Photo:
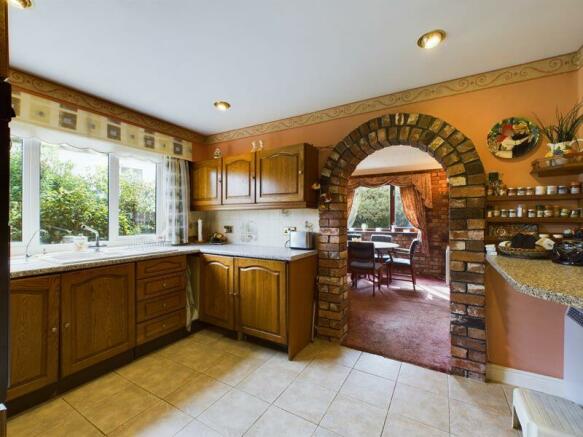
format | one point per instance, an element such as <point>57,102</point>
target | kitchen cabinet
<point>205,183</point>
<point>97,315</point>
<point>261,298</point>
<point>161,297</point>
<point>34,334</point>
<point>238,180</point>
<point>286,174</point>
<point>268,179</point>
<point>217,290</point>
<point>268,299</point>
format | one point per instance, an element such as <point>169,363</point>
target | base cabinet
<point>261,298</point>
<point>34,334</point>
<point>217,291</point>
<point>98,315</point>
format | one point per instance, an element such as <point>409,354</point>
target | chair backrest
<point>381,237</point>
<point>361,250</point>
<point>414,245</point>
<point>352,235</point>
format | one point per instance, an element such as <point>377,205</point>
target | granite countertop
<point>40,265</point>
<point>542,278</point>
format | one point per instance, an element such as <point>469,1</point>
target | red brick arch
<point>466,178</point>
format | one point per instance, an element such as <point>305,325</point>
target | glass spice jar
<point>496,212</point>
<point>562,189</point>
<point>575,188</point>
<point>521,191</point>
<point>549,211</point>
<point>490,212</point>
<point>529,191</point>
<point>512,191</point>
<point>540,211</point>
<point>502,190</point>
<point>503,213</point>
<point>556,211</point>
<point>512,213</point>
<point>531,213</point>
<point>565,212</point>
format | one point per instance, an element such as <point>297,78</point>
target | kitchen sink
<point>80,257</point>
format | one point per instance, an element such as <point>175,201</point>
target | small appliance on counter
<point>217,238</point>
<point>301,240</point>
<point>568,252</point>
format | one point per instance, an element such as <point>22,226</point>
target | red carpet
<point>401,324</point>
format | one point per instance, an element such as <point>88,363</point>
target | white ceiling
<point>275,58</point>
<point>395,159</point>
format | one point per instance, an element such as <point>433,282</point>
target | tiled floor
<point>209,385</point>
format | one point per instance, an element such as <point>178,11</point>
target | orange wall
<point>523,332</point>
<point>473,113</point>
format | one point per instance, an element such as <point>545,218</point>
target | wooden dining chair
<point>381,237</point>
<point>406,263</point>
<point>362,261</point>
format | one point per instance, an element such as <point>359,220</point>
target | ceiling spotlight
<point>21,4</point>
<point>222,105</point>
<point>431,39</point>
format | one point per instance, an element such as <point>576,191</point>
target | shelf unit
<point>535,220</point>
<point>494,199</point>
<point>572,168</point>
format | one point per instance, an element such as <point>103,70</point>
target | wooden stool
<point>542,415</point>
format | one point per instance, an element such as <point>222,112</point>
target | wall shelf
<point>493,199</point>
<point>535,220</point>
<point>571,168</point>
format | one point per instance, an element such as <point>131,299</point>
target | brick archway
<point>466,178</point>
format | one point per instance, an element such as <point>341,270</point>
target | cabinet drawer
<point>160,266</point>
<point>158,286</point>
<point>162,325</point>
<point>148,309</point>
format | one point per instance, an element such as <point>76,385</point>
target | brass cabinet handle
<point>165,305</point>
<point>67,325</point>
<point>54,329</point>
<point>163,325</point>
<point>164,284</point>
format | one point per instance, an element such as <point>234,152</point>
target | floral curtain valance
<point>44,112</point>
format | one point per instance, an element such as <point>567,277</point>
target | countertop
<point>39,265</point>
<point>542,279</point>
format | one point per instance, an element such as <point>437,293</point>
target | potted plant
<point>562,136</point>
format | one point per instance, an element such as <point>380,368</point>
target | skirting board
<point>521,378</point>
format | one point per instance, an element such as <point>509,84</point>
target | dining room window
<point>378,207</point>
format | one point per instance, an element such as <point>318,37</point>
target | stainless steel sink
<point>81,257</point>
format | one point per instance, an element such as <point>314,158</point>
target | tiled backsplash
<point>257,227</point>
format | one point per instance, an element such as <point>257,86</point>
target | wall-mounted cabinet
<point>275,178</point>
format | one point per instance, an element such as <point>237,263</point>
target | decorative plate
<point>513,137</point>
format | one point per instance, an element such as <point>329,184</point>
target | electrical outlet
<point>228,229</point>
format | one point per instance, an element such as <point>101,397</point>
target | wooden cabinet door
<point>97,315</point>
<point>280,174</point>
<point>260,287</point>
<point>34,334</point>
<point>216,291</point>
<point>238,181</point>
<point>205,183</point>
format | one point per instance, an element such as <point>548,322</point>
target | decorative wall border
<point>504,76</point>
<point>35,85</point>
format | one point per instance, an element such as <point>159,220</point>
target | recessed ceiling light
<point>221,105</point>
<point>22,4</point>
<point>431,39</point>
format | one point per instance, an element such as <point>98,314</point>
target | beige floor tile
<point>268,381</point>
<point>489,395</point>
<point>197,394</point>
<point>323,432</point>
<point>157,375</point>
<point>430,380</point>
<point>234,413</point>
<point>368,388</point>
<point>331,376</point>
<point>114,411</point>
<point>232,369</point>
<point>196,356</point>
<point>243,349</point>
<point>421,405</point>
<point>54,418</point>
<point>96,391</point>
<point>401,426</point>
<point>282,359</point>
<point>277,422</point>
<point>306,400</point>
<point>336,354</point>
<point>197,429</point>
<point>350,417</point>
<point>160,420</point>
<point>479,421</point>
<point>206,336</point>
<point>311,350</point>
<point>379,366</point>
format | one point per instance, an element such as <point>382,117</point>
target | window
<point>73,192</point>
<point>54,189</point>
<point>137,197</point>
<point>378,207</point>
<point>15,214</point>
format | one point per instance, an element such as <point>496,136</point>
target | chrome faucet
<point>98,245</point>
<point>27,254</point>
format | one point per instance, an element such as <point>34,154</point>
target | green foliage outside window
<point>15,213</point>
<point>374,208</point>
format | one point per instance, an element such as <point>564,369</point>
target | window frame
<point>31,157</point>
<point>392,212</point>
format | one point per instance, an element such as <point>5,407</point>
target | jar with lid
<point>575,188</point>
<point>502,190</point>
<point>512,191</point>
<point>521,210</point>
<point>503,212</point>
<point>540,190</point>
<point>512,213</point>
<point>490,212</point>
<point>562,189</point>
<point>529,191</point>
<point>551,189</point>
<point>549,211</point>
<point>565,212</point>
<point>576,212</point>
<point>521,191</point>
<point>531,213</point>
<point>540,211</point>
<point>496,212</point>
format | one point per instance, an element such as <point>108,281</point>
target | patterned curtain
<point>415,195</point>
<point>176,199</point>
